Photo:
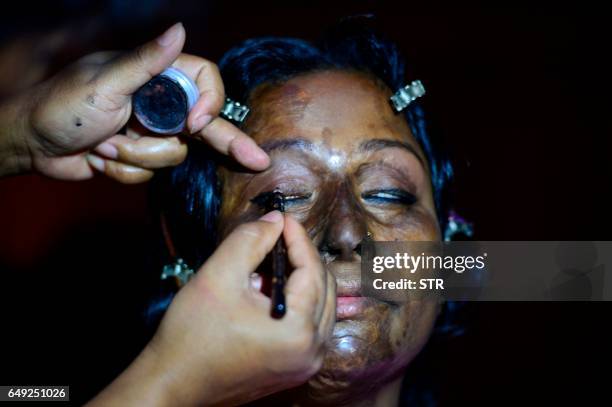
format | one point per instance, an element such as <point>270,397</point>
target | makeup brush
<point>279,262</point>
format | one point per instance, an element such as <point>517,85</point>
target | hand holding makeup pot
<point>75,123</point>
<point>217,344</point>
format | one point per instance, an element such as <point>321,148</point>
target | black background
<point>519,95</point>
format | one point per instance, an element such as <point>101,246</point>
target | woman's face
<point>348,166</point>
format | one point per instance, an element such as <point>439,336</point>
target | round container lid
<point>163,104</point>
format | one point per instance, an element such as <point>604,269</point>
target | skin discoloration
<point>268,100</point>
<point>326,136</point>
<point>335,144</point>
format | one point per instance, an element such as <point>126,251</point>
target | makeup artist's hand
<point>68,126</point>
<point>217,344</point>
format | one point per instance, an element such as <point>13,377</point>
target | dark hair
<point>188,195</point>
<point>350,45</point>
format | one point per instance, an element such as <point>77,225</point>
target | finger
<point>126,74</point>
<point>144,152</point>
<point>212,94</point>
<point>124,173</point>
<point>136,132</point>
<point>243,250</point>
<point>99,58</point>
<point>323,296</point>
<point>229,140</point>
<point>305,290</point>
<point>69,168</point>
<point>328,317</point>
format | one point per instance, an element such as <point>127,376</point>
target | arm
<point>143,383</point>
<point>217,344</point>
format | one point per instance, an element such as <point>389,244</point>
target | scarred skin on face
<point>349,166</point>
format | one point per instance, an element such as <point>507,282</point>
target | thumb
<point>128,73</point>
<point>243,250</point>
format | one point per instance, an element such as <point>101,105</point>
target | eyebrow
<point>367,146</point>
<point>287,144</point>
<point>379,144</point>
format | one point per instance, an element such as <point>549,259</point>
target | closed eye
<point>389,197</point>
<point>291,200</point>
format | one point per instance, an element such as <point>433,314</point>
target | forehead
<point>335,109</point>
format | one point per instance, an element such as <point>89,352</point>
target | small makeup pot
<point>163,104</point>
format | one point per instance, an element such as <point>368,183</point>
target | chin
<point>358,362</point>
<point>367,353</point>
<point>345,380</point>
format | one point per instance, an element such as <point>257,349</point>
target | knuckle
<point>215,98</point>
<point>139,57</point>
<point>99,98</point>
<point>215,89</point>
<point>95,58</point>
<point>211,67</point>
<point>250,231</point>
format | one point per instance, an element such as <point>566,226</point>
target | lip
<point>348,307</point>
<point>349,300</point>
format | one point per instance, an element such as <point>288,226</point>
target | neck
<point>385,396</point>
<point>388,395</point>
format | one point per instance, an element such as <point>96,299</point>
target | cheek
<point>234,209</point>
<point>415,224</point>
<point>410,326</point>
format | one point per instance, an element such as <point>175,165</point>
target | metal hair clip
<point>179,270</point>
<point>234,111</point>
<point>407,95</point>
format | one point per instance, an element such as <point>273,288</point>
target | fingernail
<point>272,217</point>
<point>171,35</point>
<point>250,154</point>
<point>261,156</point>
<point>255,280</point>
<point>200,122</point>
<point>107,150</point>
<point>95,162</point>
<point>257,159</point>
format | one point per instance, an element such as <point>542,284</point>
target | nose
<point>346,228</point>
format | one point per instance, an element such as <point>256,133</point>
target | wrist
<point>145,382</point>
<point>15,130</point>
<point>175,376</point>
<point>161,375</point>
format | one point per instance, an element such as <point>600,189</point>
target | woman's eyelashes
<point>391,196</point>
<point>291,199</point>
<point>379,197</point>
